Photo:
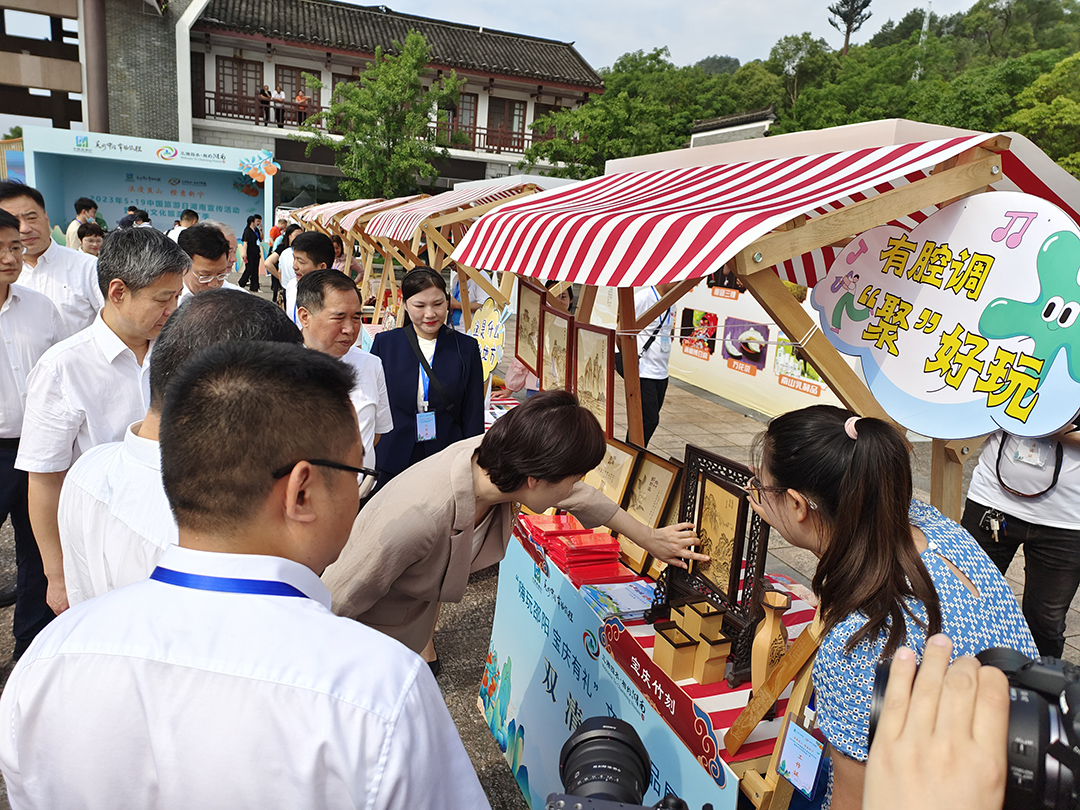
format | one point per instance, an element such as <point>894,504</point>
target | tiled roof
<point>325,24</point>
<point>738,119</point>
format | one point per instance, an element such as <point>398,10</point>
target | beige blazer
<point>411,546</point>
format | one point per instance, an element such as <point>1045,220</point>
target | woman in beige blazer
<point>415,543</point>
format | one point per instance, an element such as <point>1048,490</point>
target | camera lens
<point>605,759</point>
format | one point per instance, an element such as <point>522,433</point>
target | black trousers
<point>251,271</point>
<point>652,400</point>
<point>32,612</point>
<point>1051,571</point>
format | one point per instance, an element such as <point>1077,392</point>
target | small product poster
<point>793,371</point>
<point>698,333</point>
<point>745,345</point>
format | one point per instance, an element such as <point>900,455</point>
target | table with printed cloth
<point>552,662</point>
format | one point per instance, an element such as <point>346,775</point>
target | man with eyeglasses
<point>114,518</point>
<point>67,277</point>
<point>209,251</point>
<point>29,325</point>
<point>224,680</point>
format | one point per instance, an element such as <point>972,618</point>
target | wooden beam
<point>781,305</point>
<point>586,304</point>
<point>667,300</point>
<point>472,273</point>
<point>947,471</point>
<point>775,248</point>
<point>628,346</point>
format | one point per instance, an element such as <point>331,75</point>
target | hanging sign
<point>968,322</point>
<point>489,330</point>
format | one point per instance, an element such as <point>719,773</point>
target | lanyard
<point>667,314</point>
<point>424,381</point>
<point>262,587</point>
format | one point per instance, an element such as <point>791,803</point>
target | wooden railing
<point>253,110</point>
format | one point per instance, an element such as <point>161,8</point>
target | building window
<point>540,110</point>
<point>506,124</point>
<point>342,78</point>
<point>238,83</point>
<point>290,79</point>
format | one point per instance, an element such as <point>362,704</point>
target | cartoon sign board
<point>967,323</point>
<point>489,329</point>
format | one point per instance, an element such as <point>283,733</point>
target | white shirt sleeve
<point>77,575</point>
<point>384,420</point>
<point>50,424</point>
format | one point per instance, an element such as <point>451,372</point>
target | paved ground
<point>690,415</point>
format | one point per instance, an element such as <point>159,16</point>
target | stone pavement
<point>690,415</point>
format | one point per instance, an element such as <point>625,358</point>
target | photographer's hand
<point>941,744</point>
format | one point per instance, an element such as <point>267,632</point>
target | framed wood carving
<point>712,498</point>
<point>529,340</point>
<point>594,372</point>
<point>613,475</point>
<point>671,515</point>
<point>557,356</point>
<point>650,489</point>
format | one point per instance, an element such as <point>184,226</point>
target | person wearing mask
<point>85,211</point>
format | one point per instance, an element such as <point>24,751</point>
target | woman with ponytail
<point>891,571</point>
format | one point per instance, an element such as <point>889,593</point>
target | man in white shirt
<point>66,277</point>
<point>477,297</point>
<point>86,390</point>
<point>114,518</point>
<point>224,680</point>
<point>329,309</point>
<point>209,252</point>
<point>85,211</point>
<point>187,219</point>
<point>311,250</point>
<point>654,354</point>
<point>29,325</point>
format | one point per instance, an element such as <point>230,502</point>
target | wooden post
<point>946,474</point>
<point>628,346</point>
<point>586,304</point>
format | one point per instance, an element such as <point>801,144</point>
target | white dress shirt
<point>370,399</point>
<point>165,696</point>
<point>115,521</point>
<point>290,301</point>
<point>29,325</point>
<point>83,392</point>
<point>285,267</point>
<point>185,293</point>
<point>69,279</point>
<point>653,362</point>
<point>174,234</point>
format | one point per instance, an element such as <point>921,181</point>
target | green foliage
<point>713,65</point>
<point>848,17</point>
<point>14,132</point>
<point>384,120</point>
<point>802,62</point>
<point>1050,113</point>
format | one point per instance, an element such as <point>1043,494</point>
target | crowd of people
<point>234,529</point>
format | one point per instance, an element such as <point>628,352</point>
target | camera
<point>1044,727</point>
<point>603,765</point>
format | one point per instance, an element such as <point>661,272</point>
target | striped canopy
<point>323,213</point>
<point>374,206</point>
<point>402,223</point>
<point>641,228</point>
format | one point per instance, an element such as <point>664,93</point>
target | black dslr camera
<point>1044,728</point>
<point>604,766</point>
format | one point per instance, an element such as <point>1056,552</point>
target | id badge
<point>665,344</point>
<point>1032,451</point>
<point>425,426</point>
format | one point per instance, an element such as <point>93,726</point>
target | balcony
<point>488,140</point>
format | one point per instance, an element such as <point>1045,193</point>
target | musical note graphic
<point>1013,241</point>
<point>852,257</point>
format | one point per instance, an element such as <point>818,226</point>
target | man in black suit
<point>252,253</point>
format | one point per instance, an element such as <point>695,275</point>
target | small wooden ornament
<point>704,619</point>
<point>770,640</point>
<point>673,651</point>
<point>710,658</point>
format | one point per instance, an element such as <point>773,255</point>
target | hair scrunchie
<point>849,427</point>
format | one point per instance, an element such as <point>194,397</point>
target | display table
<point>552,662</point>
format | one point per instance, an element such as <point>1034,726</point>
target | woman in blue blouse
<point>891,571</point>
<point>429,414</point>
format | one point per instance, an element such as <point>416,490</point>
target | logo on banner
<point>82,142</point>
<point>167,153</point>
<point>967,323</point>
<point>592,646</point>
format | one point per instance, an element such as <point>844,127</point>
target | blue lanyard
<point>667,314</point>
<point>424,381</point>
<point>262,587</point>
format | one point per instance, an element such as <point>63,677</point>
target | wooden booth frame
<point>534,359</point>
<point>555,320</point>
<point>742,613</point>
<point>606,414</point>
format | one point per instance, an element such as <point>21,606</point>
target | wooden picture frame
<point>671,516</point>
<point>613,475</point>
<point>556,353</point>
<point>651,487</point>
<point>529,337</point>
<point>720,524</point>
<point>594,372</point>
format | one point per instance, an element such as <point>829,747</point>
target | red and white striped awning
<point>402,223</point>
<point>351,218</point>
<point>642,228</point>
<point>323,213</point>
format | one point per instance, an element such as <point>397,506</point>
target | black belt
<point>9,444</point>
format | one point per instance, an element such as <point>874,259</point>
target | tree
<point>14,132</point>
<point>715,64</point>
<point>803,62</point>
<point>850,14</point>
<point>387,142</point>
<point>1050,113</point>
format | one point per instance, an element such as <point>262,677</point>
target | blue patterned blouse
<point>844,683</point>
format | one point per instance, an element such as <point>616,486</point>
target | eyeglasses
<point>208,279</point>
<point>366,483</point>
<point>754,488</point>
<point>12,251</point>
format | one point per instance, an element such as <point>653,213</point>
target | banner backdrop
<point>967,323</point>
<point>547,671</point>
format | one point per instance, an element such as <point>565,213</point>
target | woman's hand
<point>673,544</point>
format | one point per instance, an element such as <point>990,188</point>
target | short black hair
<point>89,229</point>
<point>142,216</point>
<point>10,190</point>
<point>131,209</point>
<point>189,215</point>
<point>317,246</point>
<point>138,257</point>
<point>419,279</point>
<point>237,411</point>
<point>203,240</point>
<point>8,221</point>
<point>209,318</point>
<point>85,204</point>
<point>550,437</point>
<point>311,289</point>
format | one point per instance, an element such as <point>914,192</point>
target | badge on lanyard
<point>425,419</point>
<point>1032,451</point>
